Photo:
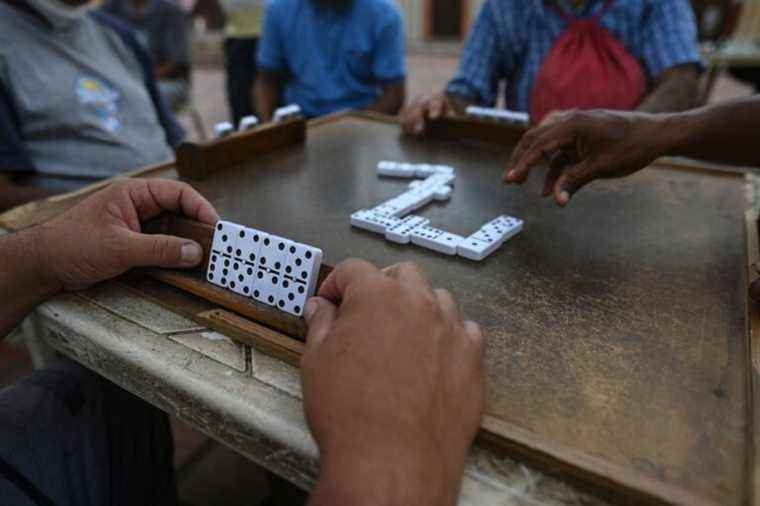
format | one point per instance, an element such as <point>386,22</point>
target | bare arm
<point>676,90</point>
<point>266,94</point>
<point>392,99</point>
<point>586,145</point>
<point>96,240</point>
<point>415,116</point>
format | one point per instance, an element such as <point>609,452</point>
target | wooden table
<point>617,351</point>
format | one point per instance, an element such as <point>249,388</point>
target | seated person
<point>328,55</point>
<point>161,28</point>
<point>67,436</point>
<point>566,54</point>
<point>78,99</point>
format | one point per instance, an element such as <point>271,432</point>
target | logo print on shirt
<point>102,98</point>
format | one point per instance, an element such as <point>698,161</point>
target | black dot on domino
<point>224,238</point>
<point>211,267</point>
<point>238,253</point>
<point>297,309</point>
<point>226,262</point>
<point>271,299</point>
<point>260,275</point>
<point>241,278</point>
<point>281,303</point>
<point>298,262</point>
<point>256,293</point>
<point>291,297</point>
<point>224,281</point>
<point>300,289</point>
<point>210,277</point>
<point>256,238</point>
<point>288,269</point>
<point>225,271</point>
<point>242,234</point>
<point>232,284</point>
<point>285,283</point>
<point>250,271</point>
<point>277,265</point>
<point>263,261</point>
<point>304,275</point>
<point>213,258</point>
<point>229,249</point>
<point>274,280</point>
<point>266,241</point>
<point>219,227</point>
<point>308,255</point>
<point>281,246</point>
<point>246,290</point>
<point>292,249</point>
<point>252,257</point>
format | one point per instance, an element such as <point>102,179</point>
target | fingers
<point>447,304</point>
<point>343,276</point>
<point>408,273</point>
<point>475,335</point>
<point>160,251</point>
<point>320,316</point>
<point>541,145</point>
<point>572,180</point>
<point>154,196</point>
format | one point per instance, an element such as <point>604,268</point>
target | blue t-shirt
<point>333,59</point>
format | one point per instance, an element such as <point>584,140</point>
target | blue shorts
<point>68,437</point>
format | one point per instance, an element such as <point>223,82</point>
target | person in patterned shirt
<point>511,39</point>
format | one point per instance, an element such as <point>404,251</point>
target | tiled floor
<point>222,477</point>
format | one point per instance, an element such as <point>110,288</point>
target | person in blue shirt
<point>328,55</point>
<point>511,40</point>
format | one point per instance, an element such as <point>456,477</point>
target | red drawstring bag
<point>587,68</point>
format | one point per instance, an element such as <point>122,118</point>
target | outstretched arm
<point>674,91</point>
<point>98,239</point>
<point>581,146</point>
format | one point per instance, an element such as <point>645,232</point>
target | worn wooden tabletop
<point>615,327</point>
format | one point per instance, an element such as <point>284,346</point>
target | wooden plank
<point>253,334</point>
<point>753,358</point>
<point>199,161</point>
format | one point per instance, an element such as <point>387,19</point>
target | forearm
<point>25,279</point>
<point>676,91</point>
<point>266,96</point>
<point>724,133</point>
<point>391,101</point>
<point>357,479</point>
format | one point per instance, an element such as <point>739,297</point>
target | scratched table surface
<point>614,327</point>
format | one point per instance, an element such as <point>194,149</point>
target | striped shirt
<point>511,38</point>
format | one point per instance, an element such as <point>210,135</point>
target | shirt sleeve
<point>670,36</point>
<point>389,63</point>
<point>271,55</point>
<point>176,40</point>
<point>478,75</point>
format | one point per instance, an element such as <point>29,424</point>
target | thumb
<point>573,180</point>
<point>320,316</point>
<point>162,251</point>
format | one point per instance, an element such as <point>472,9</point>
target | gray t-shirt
<point>81,97</point>
<point>161,28</point>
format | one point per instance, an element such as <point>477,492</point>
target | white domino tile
<point>401,233</point>
<point>443,193</point>
<point>302,264</point>
<point>503,227</point>
<point>436,239</point>
<point>241,277</point>
<point>223,129</point>
<point>424,170</point>
<point>367,220</point>
<point>444,169</point>
<point>292,296</point>
<point>287,112</point>
<point>266,286</point>
<point>217,272</point>
<point>273,252</point>
<point>474,249</point>
<point>225,237</point>
<point>248,122</point>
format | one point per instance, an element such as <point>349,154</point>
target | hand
<point>393,385</point>
<point>581,146</point>
<point>414,117</point>
<point>100,238</point>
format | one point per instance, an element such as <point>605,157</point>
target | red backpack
<point>587,68</point>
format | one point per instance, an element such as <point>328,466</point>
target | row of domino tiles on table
<point>390,218</point>
<point>226,128</point>
<point>265,267</point>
